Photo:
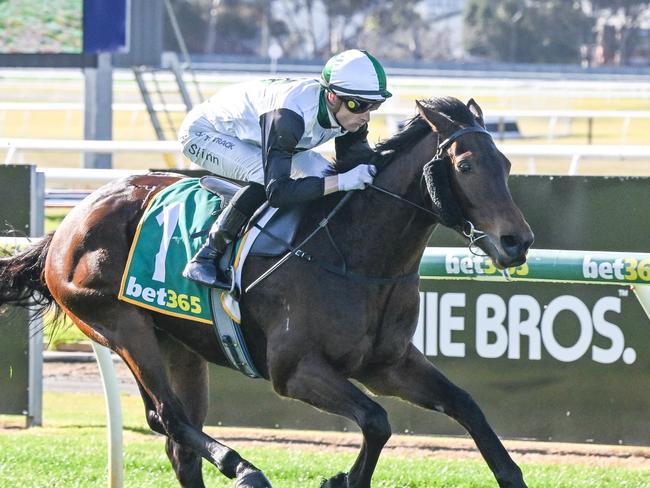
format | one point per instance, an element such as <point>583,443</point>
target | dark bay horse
<point>310,330</point>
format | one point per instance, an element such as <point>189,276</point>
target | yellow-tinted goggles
<point>358,106</point>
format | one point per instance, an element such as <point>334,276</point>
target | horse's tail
<point>22,280</point>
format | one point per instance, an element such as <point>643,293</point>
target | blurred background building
<point>588,32</point>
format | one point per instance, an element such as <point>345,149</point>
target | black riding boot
<point>203,268</point>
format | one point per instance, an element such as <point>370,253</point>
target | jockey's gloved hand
<point>357,178</point>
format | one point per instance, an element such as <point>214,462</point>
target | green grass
<point>70,450</point>
<point>77,457</point>
<point>65,333</point>
<point>53,217</point>
<point>29,26</point>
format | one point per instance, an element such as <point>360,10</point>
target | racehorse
<point>310,329</point>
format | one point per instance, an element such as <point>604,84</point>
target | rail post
<point>113,415</point>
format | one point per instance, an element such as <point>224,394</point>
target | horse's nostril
<point>511,245</point>
<point>516,245</point>
<point>528,242</point>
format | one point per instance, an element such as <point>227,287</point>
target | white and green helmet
<point>355,73</point>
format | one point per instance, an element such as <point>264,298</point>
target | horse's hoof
<point>516,484</point>
<point>338,481</point>
<point>516,481</point>
<point>254,479</point>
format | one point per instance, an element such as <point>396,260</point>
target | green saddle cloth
<point>172,229</point>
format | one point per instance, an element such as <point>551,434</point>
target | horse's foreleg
<point>416,380</point>
<point>139,348</point>
<point>316,383</point>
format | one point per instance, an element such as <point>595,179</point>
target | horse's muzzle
<point>513,248</point>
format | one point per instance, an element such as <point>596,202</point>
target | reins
<point>401,198</point>
<point>472,233</point>
<point>295,250</point>
<point>343,271</point>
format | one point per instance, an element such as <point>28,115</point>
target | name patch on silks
<point>172,229</point>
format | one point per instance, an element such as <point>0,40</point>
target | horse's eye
<point>464,167</point>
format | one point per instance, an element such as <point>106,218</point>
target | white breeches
<point>227,156</point>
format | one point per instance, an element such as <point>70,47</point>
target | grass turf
<point>71,450</point>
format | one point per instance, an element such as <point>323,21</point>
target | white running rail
<point>13,147</point>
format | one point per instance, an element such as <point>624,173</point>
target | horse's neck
<point>385,236</point>
<point>406,170</point>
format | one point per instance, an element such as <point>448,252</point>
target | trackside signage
<point>542,265</point>
<point>548,360</point>
<point>501,327</point>
<point>553,361</point>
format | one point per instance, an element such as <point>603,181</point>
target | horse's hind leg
<point>185,462</point>
<point>416,380</point>
<point>138,346</point>
<point>188,375</point>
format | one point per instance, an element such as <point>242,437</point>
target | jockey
<point>262,132</point>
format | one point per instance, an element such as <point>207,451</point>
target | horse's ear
<point>476,111</point>
<point>439,122</point>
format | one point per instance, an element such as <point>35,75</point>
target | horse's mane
<point>416,128</point>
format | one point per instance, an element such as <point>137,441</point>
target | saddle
<point>277,227</point>
<point>270,232</point>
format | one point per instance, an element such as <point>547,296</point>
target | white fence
<point>394,112</point>
<point>554,117</point>
<point>16,147</point>
<point>576,152</point>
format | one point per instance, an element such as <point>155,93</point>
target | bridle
<point>468,229</point>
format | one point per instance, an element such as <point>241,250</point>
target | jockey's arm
<point>281,132</point>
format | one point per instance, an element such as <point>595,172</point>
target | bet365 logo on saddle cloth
<point>169,234</point>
